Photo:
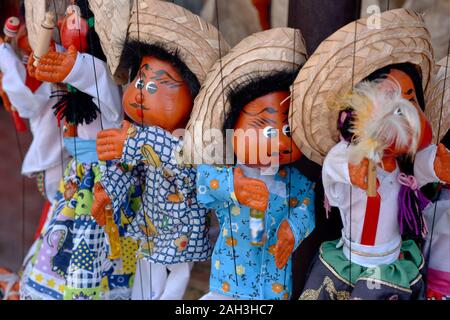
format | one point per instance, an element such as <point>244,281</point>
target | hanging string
<point>351,187</point>
<point>291,102</point>
<point>154,176</point>
<point>223,103</point>
<point>427,259</point>
<point>101,121</point>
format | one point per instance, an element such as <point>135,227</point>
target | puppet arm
<point>112,187</point>
<point>299,222</point>
<point>27,103</point>
<point>85,73</point>
<point>215,187</point>
<point>432,164</point>
<point>336,173</point>
<point>91,76</point>
<point>134,144</point>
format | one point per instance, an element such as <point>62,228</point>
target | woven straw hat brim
<point>167,24</point>
<point>111,24</point>
<point>35,13</point>
<point>438,102</point>
<point>346,58</point>
<point>260,54</point>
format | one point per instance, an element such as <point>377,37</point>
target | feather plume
<point>382,118</point>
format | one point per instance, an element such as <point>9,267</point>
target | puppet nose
<point>139,98</point>
<point>285,146</point>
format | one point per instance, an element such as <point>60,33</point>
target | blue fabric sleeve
<point>215,187</point>
<point>301,212</point>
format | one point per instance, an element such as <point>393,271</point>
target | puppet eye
<point>269,132</point>
<point>287,130</point>
<point>140,84</point>
<point>151,87</point>
<point>398,111</point>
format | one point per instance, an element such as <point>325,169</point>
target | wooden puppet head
<point>162,89</point>
<point>259,118</point>
<point>74,29</point>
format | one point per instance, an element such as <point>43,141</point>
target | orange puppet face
<point>74,30</point>
<point>409,93</point>
<point>268,117</point>
<point>158,96</point>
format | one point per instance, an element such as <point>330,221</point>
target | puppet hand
<point>285,244</point>
<point>110,142</point>
<point>358,173</point>
<point>442,163</point>
<point>250,192</point>
<point>101,200</point>
<point>56,66</point>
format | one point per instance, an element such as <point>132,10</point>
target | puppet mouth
<point>138,106</point>
<point>277,154</point>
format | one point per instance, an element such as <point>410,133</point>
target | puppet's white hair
<point>382,117</point>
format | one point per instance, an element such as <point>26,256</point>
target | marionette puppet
<point>32,101</point>
<point>436,248</point>
<point>75,260</point>
<point>264,212</point>
<point>168,51</point>
<point>373,140</point>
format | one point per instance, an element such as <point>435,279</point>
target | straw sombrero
<point>35,13</point>
<point>260,54</point>
<point>151,21</point>
<point>438,100</point>
<point>345,58</point>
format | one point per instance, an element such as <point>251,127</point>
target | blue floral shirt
<point>238,268</point>
<point>170,225</point>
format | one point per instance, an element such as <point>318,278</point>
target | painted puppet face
<point>409,93</point>
<point>158,96</point>
<point>269,116</point>
<point>22,40</point>
<point>74,30</point>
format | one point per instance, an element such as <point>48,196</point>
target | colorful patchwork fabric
<point>170,225</point>
<point>40,181</point>
<point>73,262</point>
<point>240,269</point>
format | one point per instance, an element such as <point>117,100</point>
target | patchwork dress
<point>73,261</point>
<point>170,225</point>
<point>239,269</point>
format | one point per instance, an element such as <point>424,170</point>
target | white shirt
<point>46,149</point>
<point>338,187</point>
<point>85,78</point>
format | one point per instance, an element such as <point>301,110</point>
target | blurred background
<point>21,203</point>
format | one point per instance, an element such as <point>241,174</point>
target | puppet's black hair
<point>74,106</point>
<point>255,87</point>
<point>134,51</point>
<point>407,198</point>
